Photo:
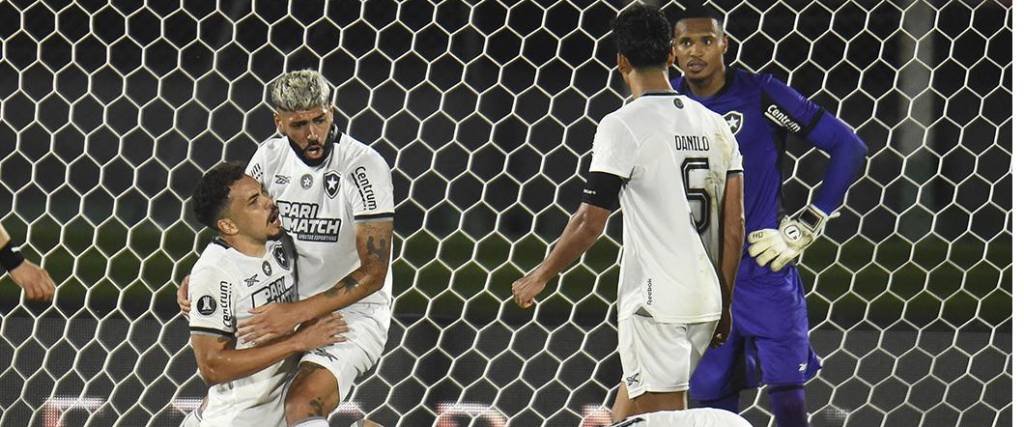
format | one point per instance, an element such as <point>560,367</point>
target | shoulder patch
<point>206,305</point>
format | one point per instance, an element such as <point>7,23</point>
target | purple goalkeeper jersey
<point>761,111</point>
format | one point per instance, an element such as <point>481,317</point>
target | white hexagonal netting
<point>486,110</point>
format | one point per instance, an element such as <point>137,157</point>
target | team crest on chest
<point>306,181</point>
<point>735,121</point>
<point>280,256</point>
<point>332,183</point>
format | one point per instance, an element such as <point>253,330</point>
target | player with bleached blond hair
<point>335,199</point>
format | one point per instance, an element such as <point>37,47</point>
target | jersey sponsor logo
<point>276,291</point>
<point>256,171</point>
<point>735,121</point>
<point>300,219</point>
<point>332,182</point>
<point>266,268</point>
<point>306,181</point>
<point>693,143</point>
<point>362,182</point>
<point>281,256</point>
<point>225,304</point>
<point>282,179</point>
<point>251,281</point>
<point>775,114</point>
<point>206,305</point>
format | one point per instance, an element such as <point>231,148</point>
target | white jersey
<point>224,285</point>
<point>699,417</point>
<point>656,143</point>
<point>320,205</point>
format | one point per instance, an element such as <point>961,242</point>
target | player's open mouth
<point>314,148</point>
<point>275,218</point>
<point>695,66</point>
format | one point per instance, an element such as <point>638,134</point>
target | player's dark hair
<point>643,35</point>
<point>211,195</point>
<point>696,10</point>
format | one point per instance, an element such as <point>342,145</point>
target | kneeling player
<point>249,264</point>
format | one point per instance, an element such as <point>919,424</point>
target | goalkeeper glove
<point>791,239</point>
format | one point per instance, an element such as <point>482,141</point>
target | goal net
<point>486,110</point>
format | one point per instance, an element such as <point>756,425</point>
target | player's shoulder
<point>215,258</point>
<point>274,144</point>
<point>351,153</point>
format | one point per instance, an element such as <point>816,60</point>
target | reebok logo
<point>650,292</point>
<point>282,179</point>
<point>633,379</point>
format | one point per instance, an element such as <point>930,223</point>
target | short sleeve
<point>615,148</point>
<point>787,108</point>
<point>368,188</point>
<point>735,164</point>
<point>257,165</point>
<point>212,312</point>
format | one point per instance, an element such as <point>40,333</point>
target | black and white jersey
<point>224,285</point>
<point>670,151</point>
<point>320,205</point>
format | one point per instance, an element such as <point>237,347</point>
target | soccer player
<point>335,198</point>
<point>769,307</point>
<point>251,263</point>
<point>670,297</point>
<point>699,417</point>
<point>34,280</point>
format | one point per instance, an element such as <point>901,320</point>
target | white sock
<point>313,422</point>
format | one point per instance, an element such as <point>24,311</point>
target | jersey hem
<point>198,330</point>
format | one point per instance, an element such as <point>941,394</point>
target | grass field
<point>893,284</point>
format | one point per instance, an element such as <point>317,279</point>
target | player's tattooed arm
<point>373,243</point>
<point>220,361</point>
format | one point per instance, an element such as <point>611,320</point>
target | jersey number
<point>700,200</point>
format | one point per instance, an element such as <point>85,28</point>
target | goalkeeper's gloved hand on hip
<point>794,235</point>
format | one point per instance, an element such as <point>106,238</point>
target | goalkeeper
<point>770,342</point>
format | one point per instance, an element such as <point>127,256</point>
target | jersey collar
<point>730,75</point>
<point>332,137</point>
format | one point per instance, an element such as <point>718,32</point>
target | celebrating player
<point>648,155</point>
<point>248,265</point>
<point>335,198</point>
<point>34,280</point>
<point>769,308</point>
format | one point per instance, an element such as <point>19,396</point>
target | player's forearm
<point>847,155</point>
<point>359,284</point>
<point>219,366</point>
<point>582,231</point>
<point>732,236</point>
<point>4,237</point>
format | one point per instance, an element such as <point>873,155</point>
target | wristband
<point>10,257</point>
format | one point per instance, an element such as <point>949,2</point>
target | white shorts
<point>659,357</point>
<point>368,333</point>
<point>699,417</point>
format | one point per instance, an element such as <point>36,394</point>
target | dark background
<point>486,110</point>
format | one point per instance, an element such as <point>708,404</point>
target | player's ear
<point>227,227</point>
<point>278,122</point>
<point>622,63</point>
